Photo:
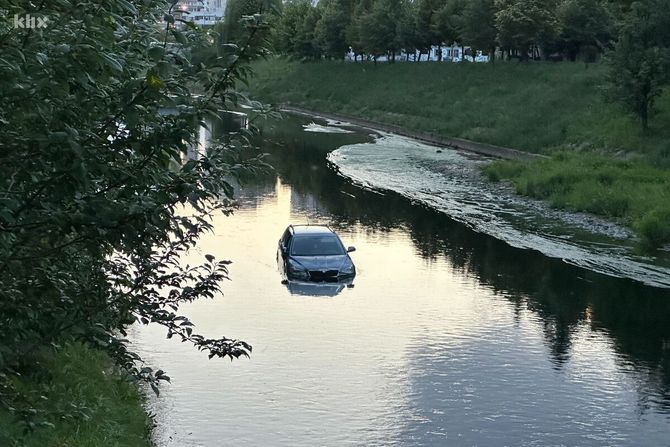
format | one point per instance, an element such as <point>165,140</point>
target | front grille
<point>318,275</point>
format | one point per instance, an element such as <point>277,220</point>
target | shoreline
<point>425,137</point>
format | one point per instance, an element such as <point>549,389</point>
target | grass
<point>85,400</point>
<point>632,192</point>
<point>536,107</point>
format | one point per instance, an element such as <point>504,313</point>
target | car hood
<point>322,262</point>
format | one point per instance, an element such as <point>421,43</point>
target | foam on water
<point>450,181</point>
<point>331,127</point>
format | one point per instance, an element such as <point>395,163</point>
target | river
<point>458,330</point>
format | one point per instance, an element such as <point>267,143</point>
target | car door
<point>282,250</point>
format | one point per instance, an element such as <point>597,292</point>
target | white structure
<point>453,53</point>
<point>201,12</point>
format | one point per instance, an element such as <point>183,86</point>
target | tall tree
<point>379,33</point>
<point>406,31</point>
<point>284,30</point>
<point>238,17</point>
<point>330,33</point>
<point>354,29</point>
<point>524,25</point>
<point>305,45</point>
<point>425,35</point>
<point>446,23</point>
<point>293,33</point>
<point>97,199</point>
<point>640,62</point>
<point>584,23</point>
<point>478,26</point>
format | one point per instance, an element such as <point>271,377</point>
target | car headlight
<point>347,269</point>
<point>296,270</point>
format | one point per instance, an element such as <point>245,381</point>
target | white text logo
<point>29,22</point>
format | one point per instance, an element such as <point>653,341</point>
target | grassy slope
<point>105,409</point>
<point>636,193</point>
<point>533,107</point>
<point>536,107</point>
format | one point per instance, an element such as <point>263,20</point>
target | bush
<point>501,170</point>
<point>82,400</point>
<point>654,227</point>
<point>633,192</point>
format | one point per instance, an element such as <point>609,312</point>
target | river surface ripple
<point>449,337</point>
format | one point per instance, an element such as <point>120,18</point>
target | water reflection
<point>305,288</point>
<point>565,298</point>
<point>450,337</point>
<point>451,182</point>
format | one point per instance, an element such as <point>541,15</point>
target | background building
<point>202,12</point>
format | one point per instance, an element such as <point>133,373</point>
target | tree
<point>239,13</point>
<point>584,23</point>
<point>330,33</point>
<point>524,25</point>
<point>284,31</point>
<point>406,31</point>
<point>353,32</point>
<point>97,201</point>
<point>478,26</point>
<point>425,35</point>
<point>446,23</point>
<point>639,65</point>
<point>378,33</point>
<point>305,45</point>
<point>294,30</point>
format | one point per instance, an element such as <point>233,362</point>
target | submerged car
<point>314,253</point>
<point>317,289</point>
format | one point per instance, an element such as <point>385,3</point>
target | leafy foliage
<point>378,31</point>
<point>640,62</point>
<point>523,28</point>
<point>87,401</point>
<point>631,191</point>
<point>330,30</point>
<point>478,26</point>
<point>584,24</point>
<point>523,24</point>
<point>98,200</point>
<point>446,22</point>
<point>239,14</point>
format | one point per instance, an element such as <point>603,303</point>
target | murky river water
<point>449,336</point>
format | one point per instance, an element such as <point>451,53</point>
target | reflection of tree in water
<point>636,317</point>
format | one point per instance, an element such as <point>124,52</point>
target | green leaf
<point>179,36</point>
<point>112,62</point>
<point>156,52</point>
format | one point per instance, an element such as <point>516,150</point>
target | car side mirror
<point>350,249</point>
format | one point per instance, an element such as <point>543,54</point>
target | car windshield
<point>322,245</point>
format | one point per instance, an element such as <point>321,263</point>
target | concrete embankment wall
<point>426,137</point>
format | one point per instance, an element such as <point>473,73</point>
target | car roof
<point>311,229</point>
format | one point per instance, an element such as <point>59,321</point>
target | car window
<point>321,245</point>
<point>286,238</point>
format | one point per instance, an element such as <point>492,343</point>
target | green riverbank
<point>536,107</point>
<point>602,162</point>
<point>82,400</point>
<point>634,193</point>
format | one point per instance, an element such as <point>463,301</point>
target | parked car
<point>313,253</point>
